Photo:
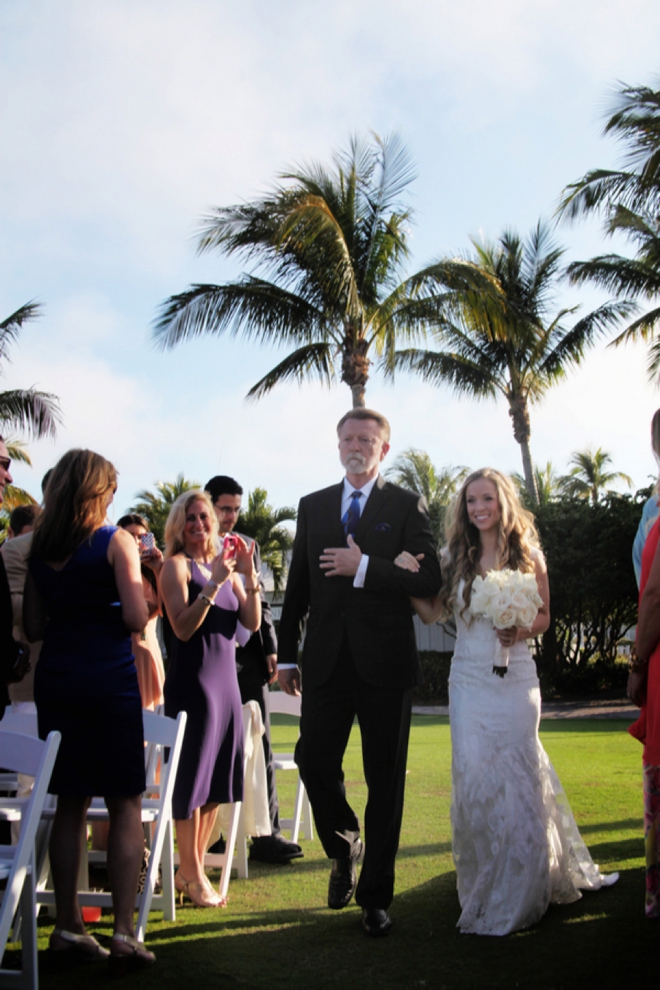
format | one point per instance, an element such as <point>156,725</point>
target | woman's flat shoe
<point>123,963</point>
<point>76,945</point>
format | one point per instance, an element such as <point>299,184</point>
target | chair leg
<point>229,849</point>
<point>30,974</point>
<point>297,811</point>
<point>241,846</point>
<point>307,815</point>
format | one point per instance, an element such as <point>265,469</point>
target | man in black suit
<point>359,655</point>
<point>257,668</point>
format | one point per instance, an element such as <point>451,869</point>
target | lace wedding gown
<point>515,843</point>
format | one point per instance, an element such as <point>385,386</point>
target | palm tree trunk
<point>528,469</point>
<point>355,366</point>
<point>358,396</point>
<point>522,431</point>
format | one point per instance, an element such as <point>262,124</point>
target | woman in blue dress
<point>205,593</point>
<point>84,597</point>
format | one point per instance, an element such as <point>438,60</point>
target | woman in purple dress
<point>204,594</point>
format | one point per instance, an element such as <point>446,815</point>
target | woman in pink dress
<point>146,648</point>
<point>644,689</point>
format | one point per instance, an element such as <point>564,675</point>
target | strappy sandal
<point>121,964</point>
<point>83,948</point>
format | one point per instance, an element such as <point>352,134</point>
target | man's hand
<point>341,561</point>
<point>289,680</point>
<point>271,662</point>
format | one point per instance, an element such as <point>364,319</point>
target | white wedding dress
<point>515,843</point>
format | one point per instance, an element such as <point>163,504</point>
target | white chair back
<point>36,757</point>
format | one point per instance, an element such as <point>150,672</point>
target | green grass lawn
<point>277,933</point>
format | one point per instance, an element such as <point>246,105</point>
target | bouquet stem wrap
<point>508,598</point>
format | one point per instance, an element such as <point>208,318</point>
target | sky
<point>125,121</point>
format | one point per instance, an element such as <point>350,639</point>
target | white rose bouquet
<point>508,598</point>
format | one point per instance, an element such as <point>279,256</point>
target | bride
<point>515,843</point>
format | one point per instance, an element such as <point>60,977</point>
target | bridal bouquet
<point>507,598</point>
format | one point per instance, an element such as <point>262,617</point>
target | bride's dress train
<point>515,842</point>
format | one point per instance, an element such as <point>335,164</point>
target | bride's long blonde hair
<point>516,538</point>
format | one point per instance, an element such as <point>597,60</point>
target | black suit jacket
<point>376,619</point>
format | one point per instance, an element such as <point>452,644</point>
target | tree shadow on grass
<point>595,942</point>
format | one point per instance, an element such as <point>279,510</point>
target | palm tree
<point>13,496</point>
<point>505,340</point>
<point>264,524</point>
<point>25,409</point>
<point>414,470</point>
<point>628,199</point>
<point>155,506</point>
<point>328,247</point>
<point>588,476</point>
<point>547,485</point>
<point>17,450</point>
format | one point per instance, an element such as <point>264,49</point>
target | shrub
<point>593,593</point>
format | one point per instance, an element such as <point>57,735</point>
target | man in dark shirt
<point>14,659</point>
<point>257,668</point>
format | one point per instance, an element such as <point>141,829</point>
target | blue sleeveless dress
<point>202,681</point>
<point>85,683</point>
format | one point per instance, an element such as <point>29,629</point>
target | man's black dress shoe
<point>274,849</point>
<point>376,922</point>
<point>343,877</point>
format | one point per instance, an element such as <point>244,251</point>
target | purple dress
<point>85,683</point>
<point>201,680</point>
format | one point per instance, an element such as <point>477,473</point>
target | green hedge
<point>593,593</point>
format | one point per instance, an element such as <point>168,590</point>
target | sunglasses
<point>5,462</point>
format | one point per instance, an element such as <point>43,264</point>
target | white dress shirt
<point>346,499</point>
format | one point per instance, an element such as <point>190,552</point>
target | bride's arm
<point>428,609</point>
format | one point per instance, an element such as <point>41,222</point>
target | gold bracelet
<point>252,591</point>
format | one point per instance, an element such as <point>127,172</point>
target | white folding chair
<point>289,704</point>
<point>162,732</point>
<point>235,838</point>
<point>24,754</point>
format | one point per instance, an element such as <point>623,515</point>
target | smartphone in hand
<point>230,545</point>
<point>147,544</point>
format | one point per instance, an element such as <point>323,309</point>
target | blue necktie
<point>352,516</point>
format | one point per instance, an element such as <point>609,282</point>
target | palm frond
<point>31,411</point>
<point>572,345</point>
<point>252,307</point>
<point>18,451</point>
<point>614,273</point>
<point>10,327</point>
<point>452,369</point>
<point>312,361</point>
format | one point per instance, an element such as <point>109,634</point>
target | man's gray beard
<point>355,464</point>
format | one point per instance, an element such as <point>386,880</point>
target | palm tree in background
<point>548,486</point>
<point>414,470</point>
<point>29,410</point>
<point>263,523</point>
<point>327,248</point>
<point>628,200</point>
<point>507,341</point>
<point>155,506</point>
<point>589,477</point>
